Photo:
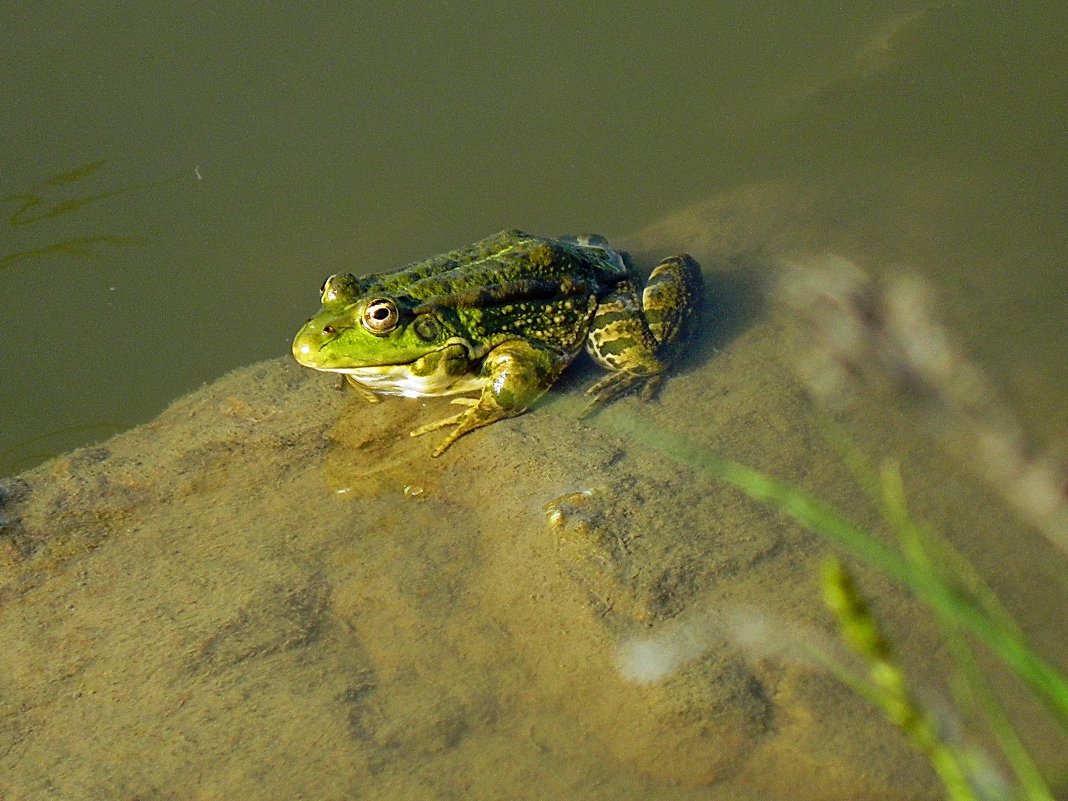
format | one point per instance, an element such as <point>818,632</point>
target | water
<point>260,152</point>
<point>177,182</point>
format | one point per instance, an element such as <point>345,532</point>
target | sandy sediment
<point>272,591</point>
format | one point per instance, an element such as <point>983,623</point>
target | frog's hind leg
<point>670,301</point>
<point>620,341</point>
<point>636,341</point>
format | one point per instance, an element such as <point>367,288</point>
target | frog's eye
<point>328,291</point>
<point>380,316</point>
<point>338,288</point>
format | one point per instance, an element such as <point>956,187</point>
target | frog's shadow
<point>734,298</point>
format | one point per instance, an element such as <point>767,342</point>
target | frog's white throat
<point>398,380</point>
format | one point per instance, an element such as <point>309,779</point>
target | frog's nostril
<point>329,330</point>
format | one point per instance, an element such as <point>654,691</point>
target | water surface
<point>243,156</point>
<point>179,182</point>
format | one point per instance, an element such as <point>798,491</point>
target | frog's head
<point>361,327</point>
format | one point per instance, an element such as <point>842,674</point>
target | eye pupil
<point>380,316</point>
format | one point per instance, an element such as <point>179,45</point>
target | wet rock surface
<point>272,591</point>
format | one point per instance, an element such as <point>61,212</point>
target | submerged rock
<point>272,588</point>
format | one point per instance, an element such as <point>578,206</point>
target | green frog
<point>502,318</point>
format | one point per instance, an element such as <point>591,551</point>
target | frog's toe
<point>454,420</point>
<point>443,446</point>
<point>616,385</point>
<point>651,386</point>
<point>445,423</point>
<point>467,420</point>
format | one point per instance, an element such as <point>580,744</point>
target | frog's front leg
<point>516,374</point>
<point>637,342</point>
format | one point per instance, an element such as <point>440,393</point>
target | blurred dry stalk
<point>883,333</point>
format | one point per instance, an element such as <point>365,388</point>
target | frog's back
<point>507,257</point>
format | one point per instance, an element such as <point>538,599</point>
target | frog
<point>502,318</point>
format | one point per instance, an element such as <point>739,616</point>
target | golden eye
<point>380,316</point>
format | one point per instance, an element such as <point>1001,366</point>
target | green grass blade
<point>1049,686</point>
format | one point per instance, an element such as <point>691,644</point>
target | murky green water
<point>176,183</point>
<point>243,153</point>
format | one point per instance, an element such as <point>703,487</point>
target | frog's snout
<point>304,345</point>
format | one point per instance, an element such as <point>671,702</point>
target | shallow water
<point>244,157</point>
<point>182,182</point>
